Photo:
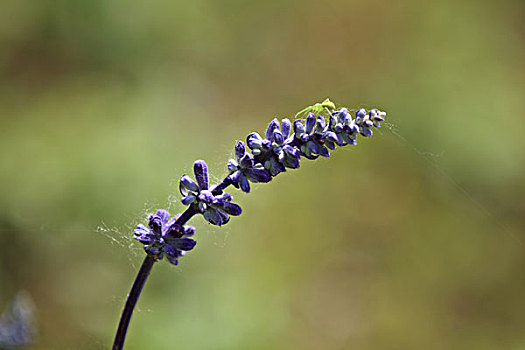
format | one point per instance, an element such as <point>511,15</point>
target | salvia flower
<point>244,168</point>
<point>275,152</point>
<point>286,154</point>
<point>363,120</point>
<point>311,137</point>
<point>215,208</point>
<point>376,116</point>
<point>345,129</point>
<point>164,236</point>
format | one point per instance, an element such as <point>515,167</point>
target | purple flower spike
<point>256,160</point>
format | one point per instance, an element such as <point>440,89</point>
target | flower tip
<point>274,124</point>
<point>240,149</point>
<point>200,168</point>
<point>187,184</point>
<point>360,113</point>
<point>286,127</point>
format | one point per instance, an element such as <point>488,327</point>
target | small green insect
<point>318,108</point>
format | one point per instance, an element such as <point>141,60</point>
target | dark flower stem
<point>221,186</point>
<point>136,289</point>
<point>186,216</point>
<point>133,296</point>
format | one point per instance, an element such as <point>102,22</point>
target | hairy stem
<point>133,296</point>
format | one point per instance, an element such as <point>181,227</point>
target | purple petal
<point>292,151</point>
<point>188,199</point>
<point>244,184</point>
<point>321,123</point>
<point>232,209</point>
<point>278,137</point>
<point>224,197</point>
<point>171,253</point>
<point>373,114</point>
<point>366,132</point>
<point>286,127</point>
<point>312,146</point>
<point>172,260</point>
<point>201,174</point>
<point>143,235</point>
<point>206,196</point>
<point>240,149</point>
<point>174,230</point>
<point>232,165</point>
<point>343,113</point>
<point>360,113</point>
<point>216,216</point>
<point>332,122</point>
<point>324,151</point>
<point>292,163</point>
<point>277,167</point>
<point>258,175</point>
<point>310,123</point>
<point>330,144</point>
<point>331,136</point>
<point>212,216</point>
<point>224,216</point>
<point>340,140</point>
<point>298,127</point>
<point>185,244</point>
<point>156,223</point>
<point>274,124</point>
<point>235,177</point>
<point>254,140</point>
<point>163,215</point>
<point>189,231</point>
<point>188,184</point>
<point>346,138</point>
<point>246,161</point>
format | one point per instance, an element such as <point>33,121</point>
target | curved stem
<point>133,296</point>
<point>144,272</point>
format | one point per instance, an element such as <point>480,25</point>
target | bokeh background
<point>414,239</point>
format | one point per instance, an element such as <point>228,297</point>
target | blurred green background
<point>414,239</point>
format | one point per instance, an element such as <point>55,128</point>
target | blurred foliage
<point>413,239</point>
